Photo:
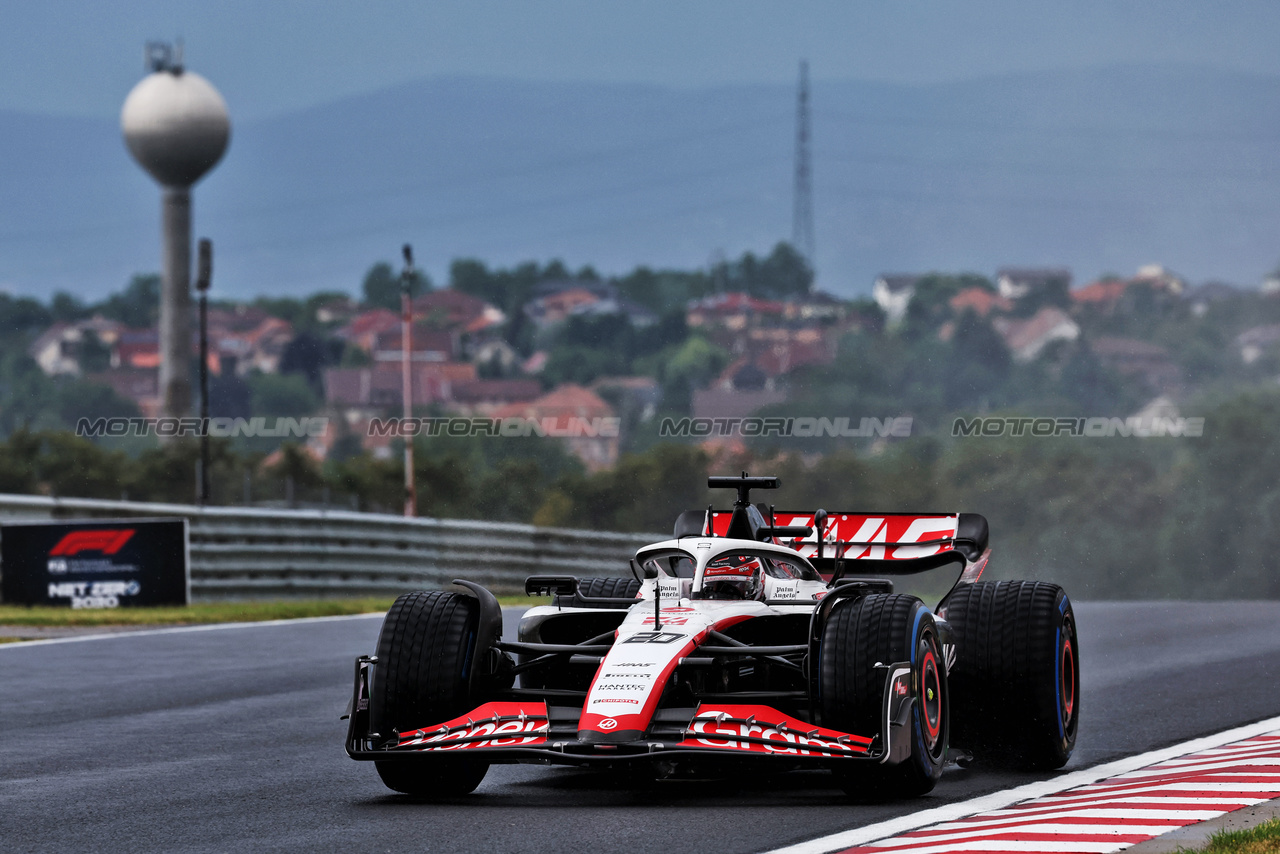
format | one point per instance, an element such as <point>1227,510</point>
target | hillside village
<point>722,354</point>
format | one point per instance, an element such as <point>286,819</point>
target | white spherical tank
<point>176,126</point>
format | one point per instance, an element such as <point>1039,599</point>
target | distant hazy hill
<point>1099,170</point>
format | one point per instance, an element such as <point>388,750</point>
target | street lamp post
<point>406,350</point>
<point>204,275</point>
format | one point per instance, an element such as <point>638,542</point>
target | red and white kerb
<point>1112,814</point>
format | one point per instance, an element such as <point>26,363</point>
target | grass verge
<point>204,612</point>
<point>1262,839</point>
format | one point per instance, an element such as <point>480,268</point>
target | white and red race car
<point>738,640</point>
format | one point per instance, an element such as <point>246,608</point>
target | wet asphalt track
<point>229,740</point>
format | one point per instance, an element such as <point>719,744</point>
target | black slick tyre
<point>1016,678</point>
<point>882,629</point>
<point>425,654</point>
<point>620,587</point>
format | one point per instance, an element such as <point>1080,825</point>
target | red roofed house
<point>1103,295</point>
<point>258,347</point>
<point>732,310</point>
<point>379,388</point>
<point>980,301</point>
<point>136,348</point>
<point>484,397</point>
<point>364,329</point>
<point>584,422</point>
<point>558,306</point>
<point>245,338</point>
<point>456,311</point>
<point>141,385</point>
<point>427,345</point>
<point>1106,295</point>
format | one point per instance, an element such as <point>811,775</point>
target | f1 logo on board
<point>108,542</point>
<point>608,723</point>
<point>654,637</point>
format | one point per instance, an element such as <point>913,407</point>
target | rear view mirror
<point>551,585</point>
<point>642,572</point>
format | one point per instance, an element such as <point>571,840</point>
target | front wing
<point>527,730</point>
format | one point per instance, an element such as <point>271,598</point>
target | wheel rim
<point>931,698</point>
<point>1067,681</point>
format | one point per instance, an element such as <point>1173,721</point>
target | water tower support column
<point>175,303</point>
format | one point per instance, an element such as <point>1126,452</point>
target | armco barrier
<point>247,552</point>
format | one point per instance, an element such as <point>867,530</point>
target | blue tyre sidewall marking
<point>1057,680</point>
<point>922,749</point>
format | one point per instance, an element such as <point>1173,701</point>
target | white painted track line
<point>203,627</point>
<point>1007,798</point>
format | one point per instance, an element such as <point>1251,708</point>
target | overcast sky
<point>270,56</point>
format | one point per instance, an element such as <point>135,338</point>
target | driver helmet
<point>733,577</point>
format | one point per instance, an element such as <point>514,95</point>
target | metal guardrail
<point>241,552</point>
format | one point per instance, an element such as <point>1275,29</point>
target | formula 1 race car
<point>754,635</point>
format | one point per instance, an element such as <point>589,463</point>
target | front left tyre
<point>426,651</point>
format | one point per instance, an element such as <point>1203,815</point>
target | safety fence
<point>239,553</point>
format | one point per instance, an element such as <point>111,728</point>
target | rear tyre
<point>603,588</point>
<point>1016,679</point>
<point>882,629</point>
<point>425,654</point>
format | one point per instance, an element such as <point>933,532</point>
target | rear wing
<point>880,543</point>
<point>895,543</point>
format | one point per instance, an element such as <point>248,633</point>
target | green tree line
<point>1107,517</point>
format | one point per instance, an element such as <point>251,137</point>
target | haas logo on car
<point>608,723</point>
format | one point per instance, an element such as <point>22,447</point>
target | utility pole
<point>204,276</point>
<point>802,213</point>
<point>406,351</point>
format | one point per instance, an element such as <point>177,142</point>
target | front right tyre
<point>426,650</point>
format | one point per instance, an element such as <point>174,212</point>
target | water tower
<point>176,126</point>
